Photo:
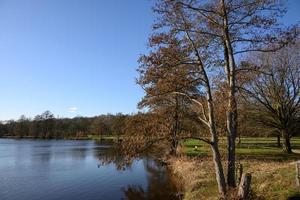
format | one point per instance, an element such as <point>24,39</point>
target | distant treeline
<point>47,126</point>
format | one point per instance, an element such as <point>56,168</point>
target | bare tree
<point>217,33</point>
<point>274,93</point>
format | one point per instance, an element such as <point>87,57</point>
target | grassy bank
<point>273,171</point>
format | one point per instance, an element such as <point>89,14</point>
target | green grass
<point>272,169</point>
<point>259,148</point>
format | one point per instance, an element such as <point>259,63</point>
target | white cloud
<point>72,109</point>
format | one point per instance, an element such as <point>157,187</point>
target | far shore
<point>90,137</point>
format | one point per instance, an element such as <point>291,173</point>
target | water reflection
<point>159,186</point>
<point>78,170</point>
<point>48,150</point>
<point>111,156</point>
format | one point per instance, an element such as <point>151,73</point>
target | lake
<point>83,170</point>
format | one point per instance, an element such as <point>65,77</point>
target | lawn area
<point>255,147</point>
<point>272,170</point>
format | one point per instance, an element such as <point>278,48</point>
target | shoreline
<point>95,138</point>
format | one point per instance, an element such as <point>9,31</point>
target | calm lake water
<point>60,169</point>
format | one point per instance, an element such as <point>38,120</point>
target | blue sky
<point>75,57</point>
<point>61,54</point>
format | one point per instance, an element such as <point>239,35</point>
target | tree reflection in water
<point>111,155</point>
<point>161,185</point>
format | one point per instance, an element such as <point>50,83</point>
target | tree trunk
<point>214,137</point>
<point>278,141</point>
<point>215,146</point>
<point>174,145</point>
<point>231,161</point>
<point>232,104</point>
<point>175,129</point>
<point>218,169</point>
<point>286,142</point>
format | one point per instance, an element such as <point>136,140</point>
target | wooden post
<point>244,187</point>
<point>298,173</point>
<point>240,173</point>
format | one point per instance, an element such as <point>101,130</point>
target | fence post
<point>298,173</point>
<point>240,173</point>
<point>244,187</point>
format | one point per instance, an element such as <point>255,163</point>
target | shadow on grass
<point>263,154</point>
<point>197,154</point>
<point>294,197</point>
<point>269,156</point>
